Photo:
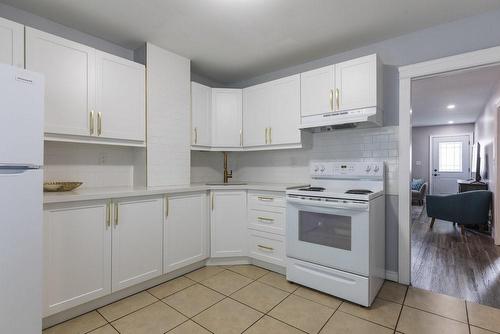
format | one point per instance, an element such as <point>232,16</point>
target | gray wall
<point>420,144</point>
<point>448,39</point>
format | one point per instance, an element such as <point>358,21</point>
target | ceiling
<point>468,90</point>
<point>234,40</point>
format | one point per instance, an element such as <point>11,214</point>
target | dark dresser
<point>470,185</point>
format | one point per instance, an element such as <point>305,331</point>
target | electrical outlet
<point>102,158</point>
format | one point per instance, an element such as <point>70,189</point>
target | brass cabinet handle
<point>167,207</point>
<point>241,137</point>
<point>116,214</point>
<point>337,98</point>
<point>91,122</point>
<point>266,248</point>
<point>265,219</point>
<point>265,136</point>
<point>270,135</point>
<point>108,215</point>
<point>331,99</point>
<point>196,135</point>
<point>99,123</point>
<point>262,198</point>
<point>213,202</point>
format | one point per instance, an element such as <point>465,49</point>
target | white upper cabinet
<point>120,101</point>
<point>186,237</point>
<point>256,108</point>
<point>285,112</point>
<point>201,106</point>
<point>90,96</point>
<point>356,81</point>
<point>137,241</point>
<point>228,223</point>
<point>11,43</point>
<point>317,91</point>
<point>227,131</point>
<point>271,113</point>
<point>69,70</point>
<point>77,255</point>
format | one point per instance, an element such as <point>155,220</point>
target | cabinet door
<point>228,223</point>
<point>356,81</point>
<point>256,109</point>
<point>227,118</point>
<point>11,43</point>
<point>120,99</point>
<point>317,91</point>
<point>137,241</point>
<point>201,104</point>
<point>69,70</point>
<point>285,111</point>
<point>186,230</point>
<point>77,255</point>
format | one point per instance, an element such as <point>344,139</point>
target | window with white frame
<point>450,156</point>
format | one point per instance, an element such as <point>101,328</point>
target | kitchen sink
<point>226,184</point>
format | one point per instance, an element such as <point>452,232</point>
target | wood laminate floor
<point>442,262</point>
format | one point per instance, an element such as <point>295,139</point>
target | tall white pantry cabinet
<point>11,43</point>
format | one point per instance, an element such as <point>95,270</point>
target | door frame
<point>407,73</point>
<point>431,137</point>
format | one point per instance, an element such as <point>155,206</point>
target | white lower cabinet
<point>77,255</point>
<point>228,223</point>
<point>137,241</point>
<point>186,237</point>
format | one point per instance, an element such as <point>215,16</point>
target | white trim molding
<point>463,61</point>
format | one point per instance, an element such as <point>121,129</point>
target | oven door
<point>332,233</point>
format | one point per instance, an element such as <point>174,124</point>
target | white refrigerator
<point>21,200</point>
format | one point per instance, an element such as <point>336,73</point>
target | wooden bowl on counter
<point>60,186</point>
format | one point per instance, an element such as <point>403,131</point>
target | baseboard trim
<point>392,275</point>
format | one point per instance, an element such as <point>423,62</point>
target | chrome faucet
<point>227,174</point>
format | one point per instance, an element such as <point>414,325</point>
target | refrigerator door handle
<point>18,166</point>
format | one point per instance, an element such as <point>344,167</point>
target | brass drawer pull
<point>91,122</point>
<point>331,99</point>
<point>337,98</point>
<point>267,199</point>
<point>270,249</point>
<point>265,219</point>
<point>108,215</point>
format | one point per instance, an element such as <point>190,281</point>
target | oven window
<point>325,229</point>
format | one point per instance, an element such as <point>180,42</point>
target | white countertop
<point>87,194</point>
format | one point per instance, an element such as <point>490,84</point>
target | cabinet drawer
<point>267,247</point>
<point>267,221</point>
<point>266,200</point>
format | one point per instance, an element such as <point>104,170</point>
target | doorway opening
<point>453,249</point>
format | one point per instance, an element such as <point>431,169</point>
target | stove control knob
<point>368,168</point>
<point>375,169</point>
<point>322,169</point>
<point>316,168</point>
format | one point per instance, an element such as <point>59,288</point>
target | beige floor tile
<point>278,281</point>
<point>226,282</point>
<point>302,313</point>
<point>343,323</point>
<point>189,327</point>
<point>79,325</point>
<point>483,316</point>
<point>168,288</point>
<point>393,292</point>
<point>382,312</point>
<point>127,305</point>
<point>443,305</point>
<point>227,317</point>
<point>318,297</point>
<point>413,321</point>
<point>268,325</point>
<point>260,296</point>
<point>193,300</point>
<point>249,271</point>
<point>153,319</point>
<point>477,330</point>
<point>108,329</point>
<point>204,273</point>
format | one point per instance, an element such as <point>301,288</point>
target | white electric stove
<point>335,237</point>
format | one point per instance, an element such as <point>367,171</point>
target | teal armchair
<point>467,208</point>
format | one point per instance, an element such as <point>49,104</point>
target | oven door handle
<point>333,204</point>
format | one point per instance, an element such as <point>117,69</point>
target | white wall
<point>486,130</point>
<point>94,165</point>
<point>420,144</point>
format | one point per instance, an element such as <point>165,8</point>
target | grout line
<point>402,306</point>
<point>467,314</point>
<point>436,314</point>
